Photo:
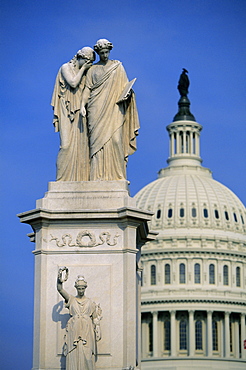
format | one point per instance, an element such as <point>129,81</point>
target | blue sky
<point>154,40</point>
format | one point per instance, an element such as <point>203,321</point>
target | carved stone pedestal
<point>95,230</point>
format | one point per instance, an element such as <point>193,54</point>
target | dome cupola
<point>184,131</point>
<point>185,194</point>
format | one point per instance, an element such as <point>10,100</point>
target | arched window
<point>158,214</point>
<point>193,212</point>
<point>170,213</point>
<point>167,335</point>
<point>215,335</point>
<point>211,274</point>
<point>225,275</point>
<point>198,330</point>
<point>235,217</point>
<point>182,273</point>
<point>238,277</point>
<point>175,143</point>
<point>167,274</point>
<point>187,142</point>
<point>242,219</point>
<point>197,271</point>
<point>181,140</point>
<point>226,215</point>
<point>182,335</point>
<point>205,213</point>
<point>181,212</point>
<point>194,143</point>
<point>153,275</point>
<point>216,214</point>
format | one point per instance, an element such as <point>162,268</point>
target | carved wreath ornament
<point>104,237</point>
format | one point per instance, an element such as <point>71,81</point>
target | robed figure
<point>112,119</point>
<point>83,327</point>
<point>73,157</point>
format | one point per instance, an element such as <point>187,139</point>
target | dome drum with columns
<point>194,273</point>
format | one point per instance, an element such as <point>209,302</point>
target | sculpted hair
<point>86,53</point>
<point>80,280</point>
<point>103,44</point>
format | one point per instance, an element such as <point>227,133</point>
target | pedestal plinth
<point>94,229</point>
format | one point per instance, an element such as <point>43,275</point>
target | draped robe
<point>73,157</point>
<point>80,343</point>
<point>112,126</point>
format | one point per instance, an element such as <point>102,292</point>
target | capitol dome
<point>189,197</point>
<point>193,298</point>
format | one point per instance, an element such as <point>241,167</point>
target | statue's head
<point>103,44</point>
<point>80,281</point>
<point>80,285</point>
<point>86,53</point>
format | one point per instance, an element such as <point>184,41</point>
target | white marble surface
<point>90,227</point>
<point>77,195</point>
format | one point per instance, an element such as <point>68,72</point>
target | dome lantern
<point>184,131</point>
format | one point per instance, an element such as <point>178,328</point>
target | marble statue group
<point>97,226</point>
<point>96,115</point>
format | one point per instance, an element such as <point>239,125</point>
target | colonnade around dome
<point>180,337</point>
<point>192,333</point>
<point>193,305</point>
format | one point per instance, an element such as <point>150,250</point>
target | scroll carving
<point>82,239</point>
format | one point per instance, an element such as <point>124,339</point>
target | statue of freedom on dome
<point>183,83</point>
